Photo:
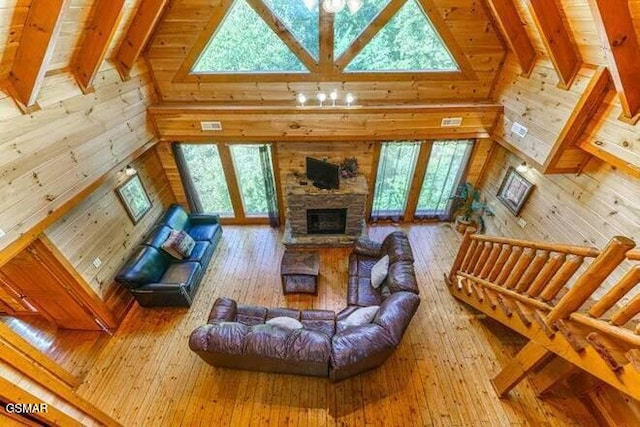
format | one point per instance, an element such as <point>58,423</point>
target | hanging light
<point>333,6</point>
<point>311,4</point>
<point>333,95</point>
<point>349,99</point>
<point>354,6</point>
<point>322,97</point>
<point>302,99</point>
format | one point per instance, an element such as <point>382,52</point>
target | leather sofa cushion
<point>158,236</point>
<point>266,340</point>
<point>251,315</point>
<point>203,232</point>
<point>176,217</point>
<point>396,312</point>
<point>305,345</point>
<point>182,272</point>
<point>397,246</point>
<point>355,344</point>
<point>360,292</point>
<point>200,252</point>
<point>224,309</point>
<point>283,312</point>
<point>223,337</point>
<point>145,265</point>
<point>402,277</point>
<point>319,320</point>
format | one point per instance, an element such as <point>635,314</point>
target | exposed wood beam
<point>581,116</point>
<point>284,34</point>
<point>515,34</point>
<point>620,42</point>
<point>557,39</point>
<point>138,34</point>
<point>369,33</point>
<point>103,24</point>
<point>37,43</point>
<point>327,54</point>
<point>530,357</point>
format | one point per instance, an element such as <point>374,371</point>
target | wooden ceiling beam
<point>103,24</point>
<point>283,33</point>
<point>138,34</point>
<point>557,39</point>
<point>620,42</point>
<point>34,52</point>
<point>514,32</point>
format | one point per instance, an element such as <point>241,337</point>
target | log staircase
<point>576,306</point>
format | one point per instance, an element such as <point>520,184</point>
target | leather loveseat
<point>154,277</point>
<point>237,336</point>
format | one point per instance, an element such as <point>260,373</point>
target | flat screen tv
<point>323,174</point>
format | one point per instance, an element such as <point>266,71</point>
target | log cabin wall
<point>99,227</point>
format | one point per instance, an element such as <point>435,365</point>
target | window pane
<point>244,43</point>
<point>303,23</point>
<point>447,163</point>
<point>395,171</point>
<point>347,27</point>
<point>408,42</point>
<point>251,179</point>
<point>205,168</point>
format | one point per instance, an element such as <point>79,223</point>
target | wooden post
<point>587,284</point>
<point>530,357</point>
<point>625,284</point>
<point>464,247</point>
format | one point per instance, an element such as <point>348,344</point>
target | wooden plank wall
<point>47,157</point>
<point>100,227</point>
<point>544,108</point>
<point>468,21</point>
<point>587,209</point>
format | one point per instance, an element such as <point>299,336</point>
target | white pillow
<point>285,322</point>
<point>379,271</point>
<point>361,316</point>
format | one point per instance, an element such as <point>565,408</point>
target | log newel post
<point>464,247</point>
<point>608,260</point>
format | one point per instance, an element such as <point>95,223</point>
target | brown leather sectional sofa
<point>236,336</point>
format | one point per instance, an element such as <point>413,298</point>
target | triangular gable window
<point>245,44</point>
<point>303,23</point>
<point>348,26</point>
<point>408,42</point>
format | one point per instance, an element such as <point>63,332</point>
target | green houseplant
<point>469,207</point>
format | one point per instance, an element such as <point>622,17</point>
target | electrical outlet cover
<point>2,233</point>
<point>522,223</point>
<point>519,130</point>
<point>97,262</point>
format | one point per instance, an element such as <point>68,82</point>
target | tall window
<point>252,178</point>
<point>207,176</point>
<point>395,172</point>
<point>445,171</point>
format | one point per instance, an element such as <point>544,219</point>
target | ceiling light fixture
<point>333,95</point>
<point>349,99</point>
<point>322,97</point>
<point>302,99</point>
<point>335,6</point>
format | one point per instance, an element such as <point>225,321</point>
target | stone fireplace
<point>317,217</point>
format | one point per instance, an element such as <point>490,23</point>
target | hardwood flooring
<point>439,376</point>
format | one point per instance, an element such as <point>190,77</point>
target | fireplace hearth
<point>317,217</point>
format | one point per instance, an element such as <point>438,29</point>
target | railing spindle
<point>630,279</point>
<point>476,256</point>
<point>482,261</point>
<point>491,261</point>
<point>520,267</point>
<point>509,265</point>
<point>532,271</point>
<point>505,253</point>
<point>592,278</point>
<point>467,257</point>
<point>627,312</point>
<point>560,279</point>
<point>462,252</point>
<point>550,268</point>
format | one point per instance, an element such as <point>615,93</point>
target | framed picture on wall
<point>134,198</point>
<point>514,191</point>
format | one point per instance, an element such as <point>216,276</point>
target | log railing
<point>579,303</point>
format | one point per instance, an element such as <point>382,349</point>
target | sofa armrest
<point>223,310</point>
<point>358,349</point>
<point>368,247</point>
<point>163,294</point>
<point>203,219</point>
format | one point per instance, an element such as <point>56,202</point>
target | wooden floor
<point>146,375</point>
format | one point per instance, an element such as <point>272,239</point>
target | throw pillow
<point>379,271</point>
<point>361,316</point>
<point>179,244</point>
<point>285,322</point>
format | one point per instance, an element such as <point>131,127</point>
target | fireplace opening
<point>326,221</point>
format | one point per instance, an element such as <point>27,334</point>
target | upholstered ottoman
<point>299,271</point>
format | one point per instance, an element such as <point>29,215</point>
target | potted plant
<point>468,208</point>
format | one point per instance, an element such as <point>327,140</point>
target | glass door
<point>395,173</point>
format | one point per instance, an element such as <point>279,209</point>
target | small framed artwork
<point>134,198</point>
<point>514,191</point>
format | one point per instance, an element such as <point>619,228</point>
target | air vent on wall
<point>449,122</point>
<point>519,130</point>
<point>211,125</point>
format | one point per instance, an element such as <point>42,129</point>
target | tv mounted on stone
<point>324,175</point>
